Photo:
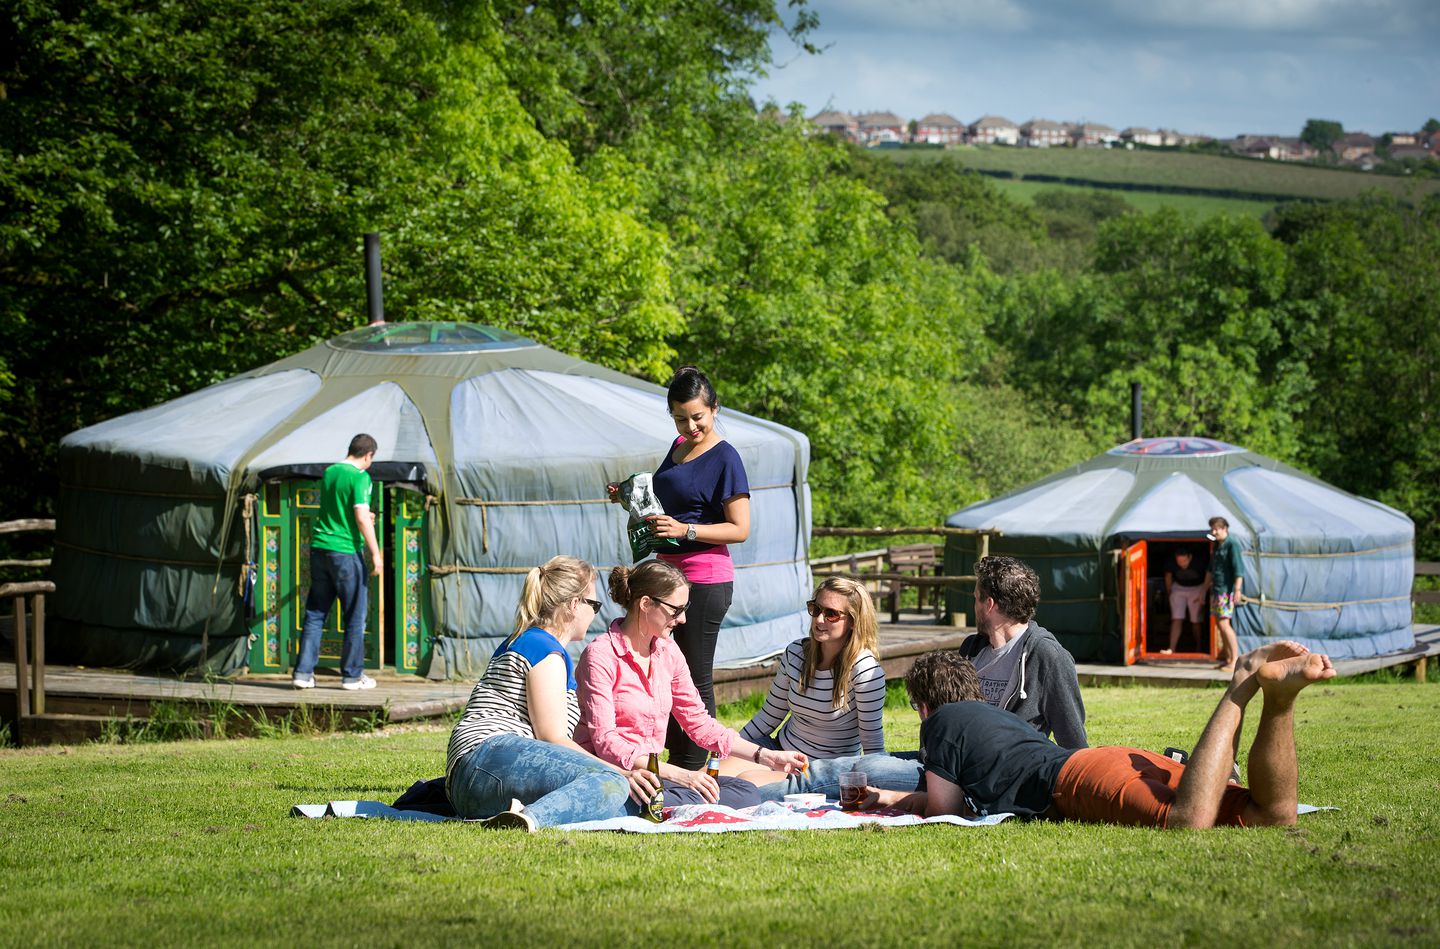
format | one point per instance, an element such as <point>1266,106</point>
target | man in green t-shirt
<point>337,567</point>
<point>1226,583</point>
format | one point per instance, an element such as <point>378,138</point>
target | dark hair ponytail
<point>653,578</point>
<point>689,384</point>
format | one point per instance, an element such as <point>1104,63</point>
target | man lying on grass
<point>982,760</point>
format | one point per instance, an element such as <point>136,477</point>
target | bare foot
<point>1250,663</point>
<point>1284,678</point>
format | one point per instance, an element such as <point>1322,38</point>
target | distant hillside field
<point>1241,178</point>
<point>1200,205</point>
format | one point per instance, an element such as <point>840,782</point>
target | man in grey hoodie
<point>1022,666</point>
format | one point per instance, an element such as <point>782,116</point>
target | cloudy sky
<point>1216,67</point>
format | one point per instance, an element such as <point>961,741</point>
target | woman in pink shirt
<point>633,678</point>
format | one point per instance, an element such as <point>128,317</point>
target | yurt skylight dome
<point>412,338</point>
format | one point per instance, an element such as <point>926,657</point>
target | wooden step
<point>58,729</point>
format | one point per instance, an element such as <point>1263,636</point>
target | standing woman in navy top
<point>706,496</point>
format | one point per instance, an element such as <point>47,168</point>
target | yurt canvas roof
<point>1329,568</point>
<point>514,440</point>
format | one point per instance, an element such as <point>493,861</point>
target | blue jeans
<point>557,785</point>
<point>335,575</point>
<point>897,772</point>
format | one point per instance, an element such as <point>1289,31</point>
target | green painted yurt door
<point>409,542</point>
<point>286,514</point>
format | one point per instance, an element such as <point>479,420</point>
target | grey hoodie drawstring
<point>1020,695</point>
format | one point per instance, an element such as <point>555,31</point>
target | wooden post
<point>984,542</point>
<point>39,627</point>
<point>22,688</point>
<point>1420,668</point>
<point>380,622</point>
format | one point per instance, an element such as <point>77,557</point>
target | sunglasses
<point>831,616</point>
<point>594,604</point>
<point>675,611</point>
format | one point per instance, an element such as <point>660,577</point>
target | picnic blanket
<point>686,818</point>
<point>363,809</point>
<point>715,819</point>
<point>698,818</point>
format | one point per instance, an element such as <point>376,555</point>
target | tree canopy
<point>1322,134</point>
<point>183,188</point>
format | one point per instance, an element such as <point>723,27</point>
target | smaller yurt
<point>1322,566</point>
<point>183,530</point>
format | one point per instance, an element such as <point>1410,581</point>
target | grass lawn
<point>1187,169</point>
<point>1147,201</point>
<point>191,843</point>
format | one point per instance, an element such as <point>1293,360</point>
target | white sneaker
<point>355,685</point>
<point>303,682</point>
<point>513,818</point>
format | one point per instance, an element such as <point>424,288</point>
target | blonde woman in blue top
<point>512,759</point>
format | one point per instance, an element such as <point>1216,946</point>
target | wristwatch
<point>689,531</point>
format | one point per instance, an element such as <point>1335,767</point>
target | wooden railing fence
<point>889,571</point>
<point>28,603</point>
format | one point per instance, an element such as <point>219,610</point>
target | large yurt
<point>182,533</point>
<point>1322,566</point>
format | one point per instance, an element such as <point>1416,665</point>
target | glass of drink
<point>852,790</point>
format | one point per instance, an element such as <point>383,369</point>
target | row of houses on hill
<point>939,128</point>
<point>1356,149</point>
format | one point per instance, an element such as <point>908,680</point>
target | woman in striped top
<point>512,758</point>
<point>830,683</point>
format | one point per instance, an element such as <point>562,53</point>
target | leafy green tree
<point>952,209</point>
<point>1071,215</point>
<point>1196,311</point>
<point>594,73</point>
<point>1316,344</point>
<point>1321,134</point>
<point>182,192</point>
<point>1364,272</point>
<point>811,306</point>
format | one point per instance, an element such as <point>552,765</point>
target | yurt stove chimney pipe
<point>374,296</point>
<point>1134,411</point>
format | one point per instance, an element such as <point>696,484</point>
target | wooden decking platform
<point>79,700</point>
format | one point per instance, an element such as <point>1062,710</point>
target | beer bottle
<point>712,767</point>
<point>654,808</point>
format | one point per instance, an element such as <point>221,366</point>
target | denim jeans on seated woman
<point>557,785</point>
<point>897,772</point>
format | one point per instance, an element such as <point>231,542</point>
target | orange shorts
<point>1115,785</point>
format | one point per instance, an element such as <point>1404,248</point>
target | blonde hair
<point>653,578</point>
<point>548,588</point>
<point>864,634</point>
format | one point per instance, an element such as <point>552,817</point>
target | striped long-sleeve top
<point>814,727</point>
